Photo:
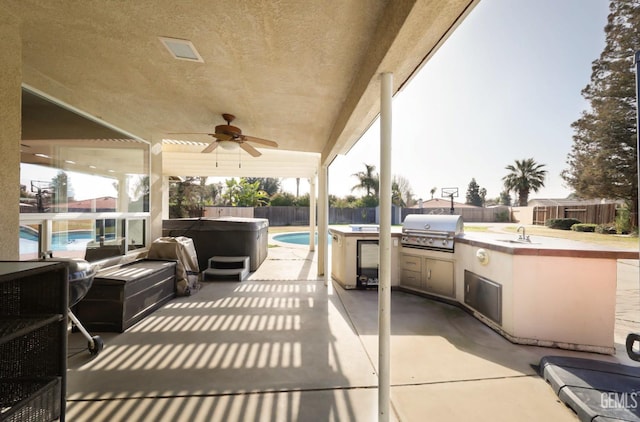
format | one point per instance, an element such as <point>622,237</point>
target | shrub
<point>561,223</point>
<point>623,220</point>
<point>582,227</point>
<point>282,199</point>
<point>367,202</point>
<point>502,216</point>
<point>606,228</point>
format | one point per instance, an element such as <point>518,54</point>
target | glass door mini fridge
<point>367,264</point>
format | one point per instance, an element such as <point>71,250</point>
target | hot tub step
<point>227,268</point>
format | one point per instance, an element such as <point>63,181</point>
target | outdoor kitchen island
<point>546,291</point>
<point>551,292</point>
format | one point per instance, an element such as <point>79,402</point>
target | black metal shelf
<point>11,328</point>
<point>33,340</point>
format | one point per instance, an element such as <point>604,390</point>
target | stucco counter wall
<point>555,292</point>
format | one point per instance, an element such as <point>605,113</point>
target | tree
<point>61,187</point>
<point>138,187</point>
<point>138,193</point>
<point>525,176</point>
<point>186,197</point>
<point>303,201</point>
<point>244,193</point>
<point>473,194</point>
<point>61,190</point>
<point>483,196</point>
<point>282,199</point>
<point>367,180</point>
<point>404,191</point>
<point>214,191</point>
<point>366,202</point>
<point>270,185</point>
<point>396,194</point>
<point>602,161</point>
<point>348,201</point>
<point>433,191</point>
<point>505,198</point>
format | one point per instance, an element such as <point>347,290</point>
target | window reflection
<point>45,190</point>
<point>136,234</point>
<point>90,239</point>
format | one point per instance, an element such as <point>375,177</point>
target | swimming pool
<point>297,238</point>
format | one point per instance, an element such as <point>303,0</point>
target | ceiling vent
<point>181,49</point>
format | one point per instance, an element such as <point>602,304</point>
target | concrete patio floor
<point>285,346</point>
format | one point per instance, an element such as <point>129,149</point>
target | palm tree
<point>525,176</point>
<point>368,180</point>
<point>396,194</point>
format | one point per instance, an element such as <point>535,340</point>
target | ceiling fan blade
<point>210,147</point>
<point>190,133</point>
<point>251,150</point>
<point>260,141</point>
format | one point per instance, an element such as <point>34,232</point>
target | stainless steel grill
<point>432,232</point>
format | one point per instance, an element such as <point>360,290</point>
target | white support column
<point>123,195</point>
<point>156,191</point>
<point>323,222</point>
<point>165,197</point>
<point>312,213</point>
<point>384,276</point>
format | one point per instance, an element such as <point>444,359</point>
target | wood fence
<point>299,216</point>
<point>591,214</point>
<point>217,212</point>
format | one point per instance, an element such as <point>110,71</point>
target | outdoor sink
<point>518,241</point>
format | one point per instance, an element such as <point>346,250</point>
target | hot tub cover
<point>180,248</point>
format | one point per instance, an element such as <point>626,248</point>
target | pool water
<point>72,240</point>
<point>297,238</point>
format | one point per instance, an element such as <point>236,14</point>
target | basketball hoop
<point>450,193</point>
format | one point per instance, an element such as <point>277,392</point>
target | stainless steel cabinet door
<point>438,277</point>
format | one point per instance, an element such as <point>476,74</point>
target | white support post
<point>312,213</point>
<point>323,222</point>
<point>156,192</point>
<point>123,195</point>
<point>384,276</point>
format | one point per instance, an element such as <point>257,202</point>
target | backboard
<point>449,192</point>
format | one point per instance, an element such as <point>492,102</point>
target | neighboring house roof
<point>550,202</point>
<point>105,202</point>
<point>441,203</point>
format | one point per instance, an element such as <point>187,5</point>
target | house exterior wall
<point>522,215</point>
<point>10,131</point>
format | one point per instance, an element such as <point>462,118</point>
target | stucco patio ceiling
<point>302,73</point>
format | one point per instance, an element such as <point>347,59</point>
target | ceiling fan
<point>230,137</point>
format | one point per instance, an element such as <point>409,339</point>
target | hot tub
<point>227,236</point>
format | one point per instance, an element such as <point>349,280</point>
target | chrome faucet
<point>523,236</point>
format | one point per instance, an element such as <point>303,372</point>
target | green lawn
<point>611,240</point>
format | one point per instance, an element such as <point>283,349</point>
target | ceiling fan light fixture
<point>228,145</point>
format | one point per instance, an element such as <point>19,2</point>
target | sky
<point>505,86</point>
